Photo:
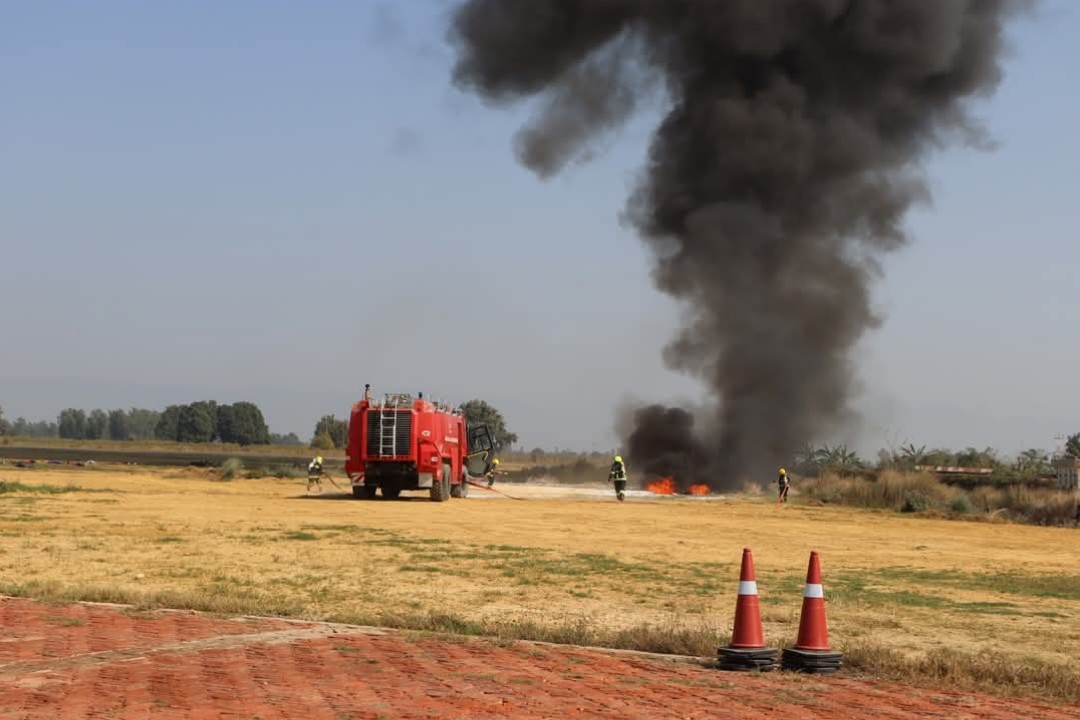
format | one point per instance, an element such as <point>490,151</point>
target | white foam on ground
<point>553,491</point>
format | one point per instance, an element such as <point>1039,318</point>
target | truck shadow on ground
<point>349,496</point>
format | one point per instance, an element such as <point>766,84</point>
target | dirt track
<point>92,661</point>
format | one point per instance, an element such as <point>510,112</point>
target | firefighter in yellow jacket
<point>315,473</point>
<point>493,472</point>
<point>783,485</point>
<point>617,475</point>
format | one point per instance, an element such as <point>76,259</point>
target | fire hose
<point>327,476</point>
<point>485,487</point>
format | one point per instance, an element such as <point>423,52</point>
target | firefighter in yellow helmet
<point>784,483</point>
<point>491,473</point>
<point>315,473</point>
<point>617,474</point>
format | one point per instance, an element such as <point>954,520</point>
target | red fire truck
<point>406,443</point>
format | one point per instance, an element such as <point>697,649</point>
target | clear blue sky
<point>281,201</point>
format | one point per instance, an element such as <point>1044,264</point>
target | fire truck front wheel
<point>461,490</point>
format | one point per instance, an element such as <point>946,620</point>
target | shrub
<point>230,468</point>
<point>323,441</point>
<point>921,492</point>
<point>916,501</point>
<point>907,492</point>
<point>962,504</point>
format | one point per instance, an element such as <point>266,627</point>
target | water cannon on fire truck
<point>403,442</point>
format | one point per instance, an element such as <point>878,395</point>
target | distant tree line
<point>207,421</point>
<point>243,423</point>
<point>1030,463</point>
<point>24,428</point>
<point>133,424</point>
<point>204,421</point>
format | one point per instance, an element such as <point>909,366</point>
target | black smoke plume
<point>778,178</point>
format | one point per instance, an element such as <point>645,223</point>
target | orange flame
<point>697,490</point>
<point>663,486</point>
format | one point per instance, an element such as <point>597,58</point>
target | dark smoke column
<point>779,177</point>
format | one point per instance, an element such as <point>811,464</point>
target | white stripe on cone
<point>748,587</point>
<point>814,591</point>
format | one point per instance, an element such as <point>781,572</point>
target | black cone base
<point>815,662</point>
<point>748,660</point>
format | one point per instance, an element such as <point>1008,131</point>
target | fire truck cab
<point>406,443</point>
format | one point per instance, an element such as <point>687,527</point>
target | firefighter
<point>784,484</point>
<point>617,474</point>
<point>492,472</point>
<point>315,473</point>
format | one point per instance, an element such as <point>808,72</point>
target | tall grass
<point>985,672</point>
<point>923,492</point>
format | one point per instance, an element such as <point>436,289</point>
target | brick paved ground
<point>87,661</point>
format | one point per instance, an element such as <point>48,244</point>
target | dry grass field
<point>651,573</point>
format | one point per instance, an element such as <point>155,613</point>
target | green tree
<point>225,425</point>
<point>247,425</point>
<point>195,423</point>
<point>71,424</point>
<point>322,441</point>
<point>24,428</point>
<point>207,408</point>
<point>1033,462</point>
<point>141,423</point>
<point>97,425</point>
<point>1072,446</point>
<point>971,457</point>
<point>118,425</point>
<point>336,430</point>
<point>912,456</point>
<point>480,412</point>
<point>290,439</point>
<point>167,426</point>
<point>5,428</point>
<point>808,460</point>
<point>838,459</point>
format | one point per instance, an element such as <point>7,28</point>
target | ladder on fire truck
<point>388,418</point>
<point>388,432</point>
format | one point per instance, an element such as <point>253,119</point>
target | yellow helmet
<point>319,459</point>
<point>618,458</point>
<point>783,471</point>
<point>495,461</point>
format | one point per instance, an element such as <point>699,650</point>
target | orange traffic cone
<point>812,653</point>
<point>747,649</point>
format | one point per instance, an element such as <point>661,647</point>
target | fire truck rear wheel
<point>461,490</point>
<point>364,492</point>
<point>440,489</point>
